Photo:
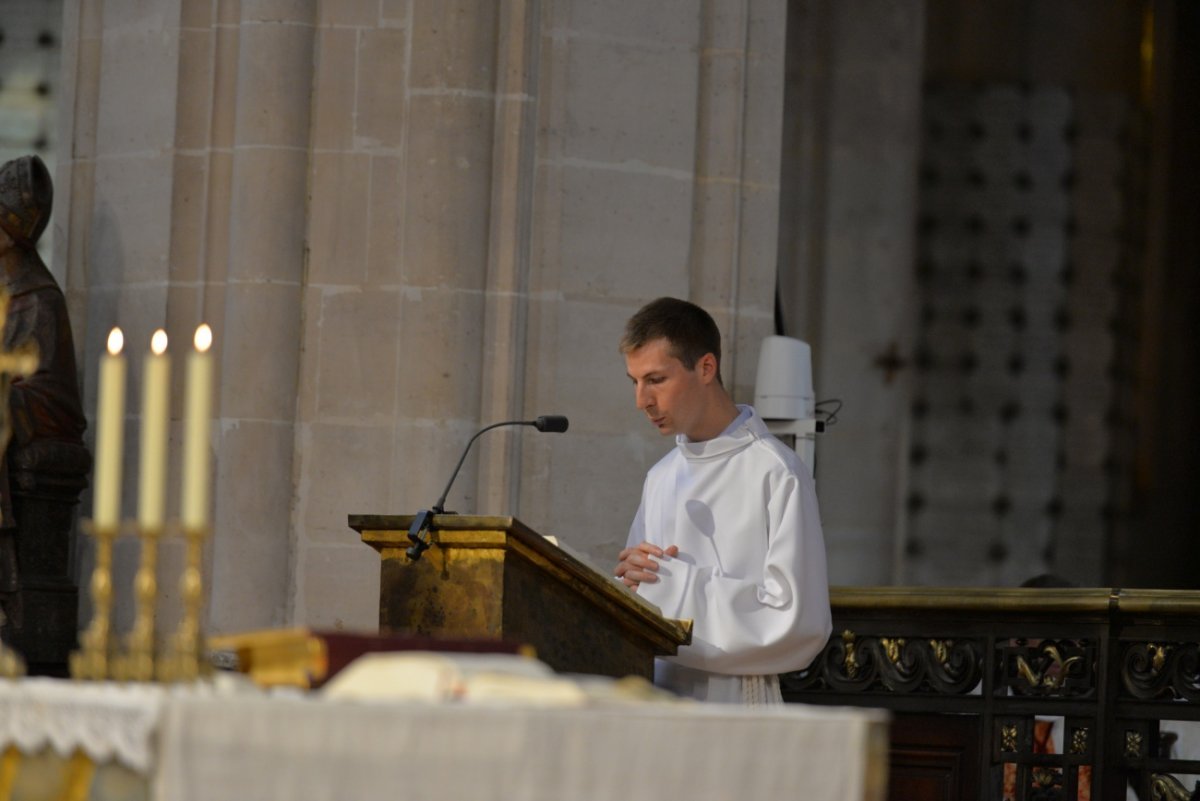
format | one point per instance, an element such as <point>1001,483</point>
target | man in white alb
<point>727,533</point>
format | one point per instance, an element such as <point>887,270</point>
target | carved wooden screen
<point>1111,677</point>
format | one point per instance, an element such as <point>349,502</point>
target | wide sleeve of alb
<point>755,627</point>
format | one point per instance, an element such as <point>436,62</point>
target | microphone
<point>552,423</point>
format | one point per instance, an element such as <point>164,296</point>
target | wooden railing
<point>969,673</point>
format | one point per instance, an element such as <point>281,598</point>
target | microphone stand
<point>422,523</point>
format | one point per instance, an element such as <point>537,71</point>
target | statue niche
<point>45,463</point>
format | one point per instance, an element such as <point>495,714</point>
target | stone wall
<point>407,219</point>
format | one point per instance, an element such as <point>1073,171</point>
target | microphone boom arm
<point>439,507</point>
<point>424,519</point>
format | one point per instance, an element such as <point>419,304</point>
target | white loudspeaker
<point>783,394</point>
<point>784,386</point>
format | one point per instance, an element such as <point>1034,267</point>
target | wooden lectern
<point>494,578</point>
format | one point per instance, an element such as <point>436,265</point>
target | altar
<point>199,742</point>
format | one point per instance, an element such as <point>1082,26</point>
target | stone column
<point>184,202</point>
<point>518,69</point>
<point>251,285</point>
<point>847,273</point>
<point>735,208</point>
<point>113,202</point>
<point>397,300</point>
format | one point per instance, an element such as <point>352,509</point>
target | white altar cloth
<point>198,743</point>
<point>304,749</point>
<point>104,720</point>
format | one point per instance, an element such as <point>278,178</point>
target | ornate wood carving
<point>1161,670</point>
<point>1064,668</point>
<point>1105,665</point>
<point>853,663</point>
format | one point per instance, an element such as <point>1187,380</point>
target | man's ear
<point>706,366</point>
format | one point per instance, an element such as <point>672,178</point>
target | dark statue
<point>46,463</point>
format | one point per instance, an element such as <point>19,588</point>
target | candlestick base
<point>91,661</point>
<point>137,662</point>
<point>12,666</point>
<point>182,661</point>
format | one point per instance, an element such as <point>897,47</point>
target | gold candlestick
<point>91,660</point>
<point>137,663</point>
<point>182,660</point>
<point>12,665</point>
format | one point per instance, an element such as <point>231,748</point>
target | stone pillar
<point>184,202</point>
<point>252,279</point>
<point>113,201</point>
<point>518,69</point>
<point>847,275</point>
<point>397,300</point>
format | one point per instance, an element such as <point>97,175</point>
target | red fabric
<point>1043,743</point>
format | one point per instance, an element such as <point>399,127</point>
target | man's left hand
<point>638,564</point>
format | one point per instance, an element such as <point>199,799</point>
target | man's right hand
<point>637,564</point>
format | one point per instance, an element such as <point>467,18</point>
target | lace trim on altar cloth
<point>105,720</point>
<point>761,691</point>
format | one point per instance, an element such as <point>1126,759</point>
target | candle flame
<point>203,338</point>
<point>116,341</point>
<point>158,342</point>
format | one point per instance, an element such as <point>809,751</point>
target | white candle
<point>197,425</point>
<point>156,382</point>
<point>110,434</point>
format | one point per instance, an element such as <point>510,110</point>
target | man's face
<point>671,395</point>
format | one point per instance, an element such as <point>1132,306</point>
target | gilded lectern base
<point>493,578</point>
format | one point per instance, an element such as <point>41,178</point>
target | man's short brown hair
<point>689,329</point>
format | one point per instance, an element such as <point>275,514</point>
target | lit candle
<point>110,434</point>
<point>156,381</point>
<point>198,423</point>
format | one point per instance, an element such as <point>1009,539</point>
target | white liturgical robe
<point>750,571</point>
